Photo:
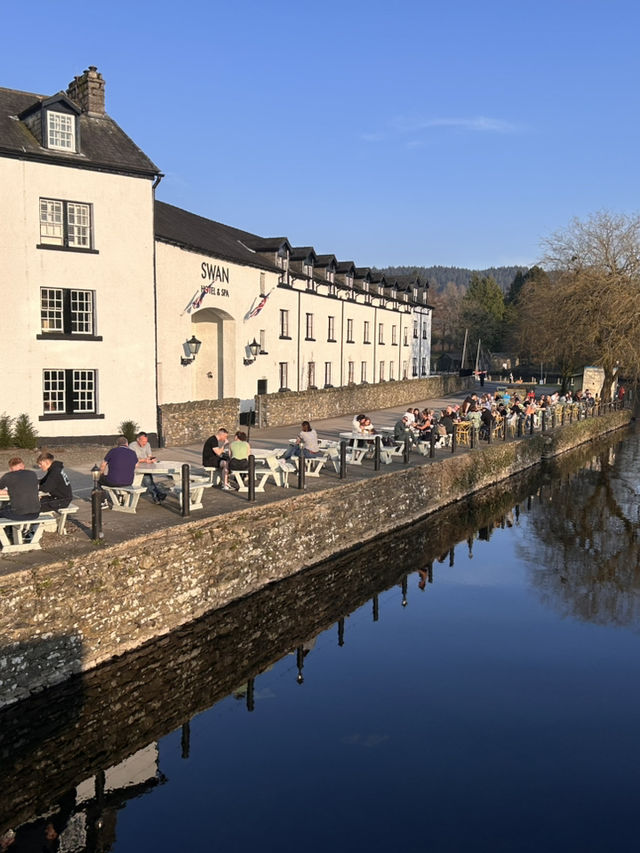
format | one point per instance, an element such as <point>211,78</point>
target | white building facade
<point>106,287</point>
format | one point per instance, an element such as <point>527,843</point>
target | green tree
<point>483,311</point>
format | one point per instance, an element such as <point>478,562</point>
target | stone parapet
<point>289,407</point>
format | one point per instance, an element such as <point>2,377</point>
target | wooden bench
<point>60,525</point>
<point>124,498</point>
<point>20,529</point>
<point>196,490</point>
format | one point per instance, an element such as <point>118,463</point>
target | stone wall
<point>62,618</point>
<point>289,407</point>
<point>184,423</point>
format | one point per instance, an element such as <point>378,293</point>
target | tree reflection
<point>581,542</point>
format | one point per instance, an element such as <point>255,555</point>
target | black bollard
<point>406,450</point>
<point>544,420</point>
<point>376,454</point>
<point>186,491</point>
<point>250,695</point>
<point>490,431</point>
<point>432,442</point>
<point>504,428</point>
<point>532,424</point>
<point>97,496</point>
<point>251,485</point>
<point>376,608</point>
<point>302,470</point>
<point>343,460</point>
<point>341,631</point>
<point>519,427</point>
<point>453,438</point>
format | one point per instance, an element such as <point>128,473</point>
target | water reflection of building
<point>84,819</point>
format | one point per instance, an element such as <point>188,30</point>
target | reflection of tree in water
<point>582,544</point>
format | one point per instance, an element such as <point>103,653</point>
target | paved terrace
<point>119,527</point>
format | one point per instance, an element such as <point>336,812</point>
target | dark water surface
<point>469,683</point>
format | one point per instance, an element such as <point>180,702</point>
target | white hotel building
<point>104,287</point>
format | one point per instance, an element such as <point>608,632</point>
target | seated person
<point>120,465</point>
<point>239,452</point>
<point>142,449</point>
<point>215,449</point>
<point>306,445</point>
<point>22,488</point>
<point>446,420</point>
<point>402,430</point>
<point>423,425</point>
<point>55,483</point>
<point>356,423</point>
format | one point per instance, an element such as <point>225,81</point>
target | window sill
<point>55,248</point>
<point>62,336</point>
<point>69,416</point>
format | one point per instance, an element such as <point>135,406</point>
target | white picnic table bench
<point>20,529</point>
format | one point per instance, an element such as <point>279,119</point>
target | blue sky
<point>386,133</point>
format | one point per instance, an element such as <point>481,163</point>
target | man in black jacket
<point>55,483</point>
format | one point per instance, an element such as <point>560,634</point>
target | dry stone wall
<point>62,618</point>
<point>289,407</point>
<point>184,423</point>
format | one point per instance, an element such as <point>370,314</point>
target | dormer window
<point>307,269</point>
<point>61,131</point>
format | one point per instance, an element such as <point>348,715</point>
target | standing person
<point>306,445</point>
<point>215,449</point>
<point>239,452</point>
<point>55,483</point>
<point>22,488</point>
<point>142,449</point>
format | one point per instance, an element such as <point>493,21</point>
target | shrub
<point>24,435</point>
<point>130,430</point>
<point>6,431</point>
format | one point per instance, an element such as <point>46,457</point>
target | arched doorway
<point>215,366</point>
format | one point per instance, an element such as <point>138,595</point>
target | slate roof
<point>174,225</point>
<point>104,145</point>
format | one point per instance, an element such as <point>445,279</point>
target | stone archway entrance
<point>215,366</point>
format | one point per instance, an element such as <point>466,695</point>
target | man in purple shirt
<point>120,464</point>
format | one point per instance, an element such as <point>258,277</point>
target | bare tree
<point>591,306</point>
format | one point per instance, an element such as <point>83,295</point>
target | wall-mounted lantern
<point>193,346</point>
<point>254,349</point>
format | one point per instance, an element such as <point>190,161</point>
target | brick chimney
<point>87,91</point>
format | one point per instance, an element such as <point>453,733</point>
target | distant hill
<point>438,276</point>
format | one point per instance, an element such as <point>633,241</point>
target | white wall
<point>121,274</point>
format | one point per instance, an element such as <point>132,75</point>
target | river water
<point>470,683</point>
